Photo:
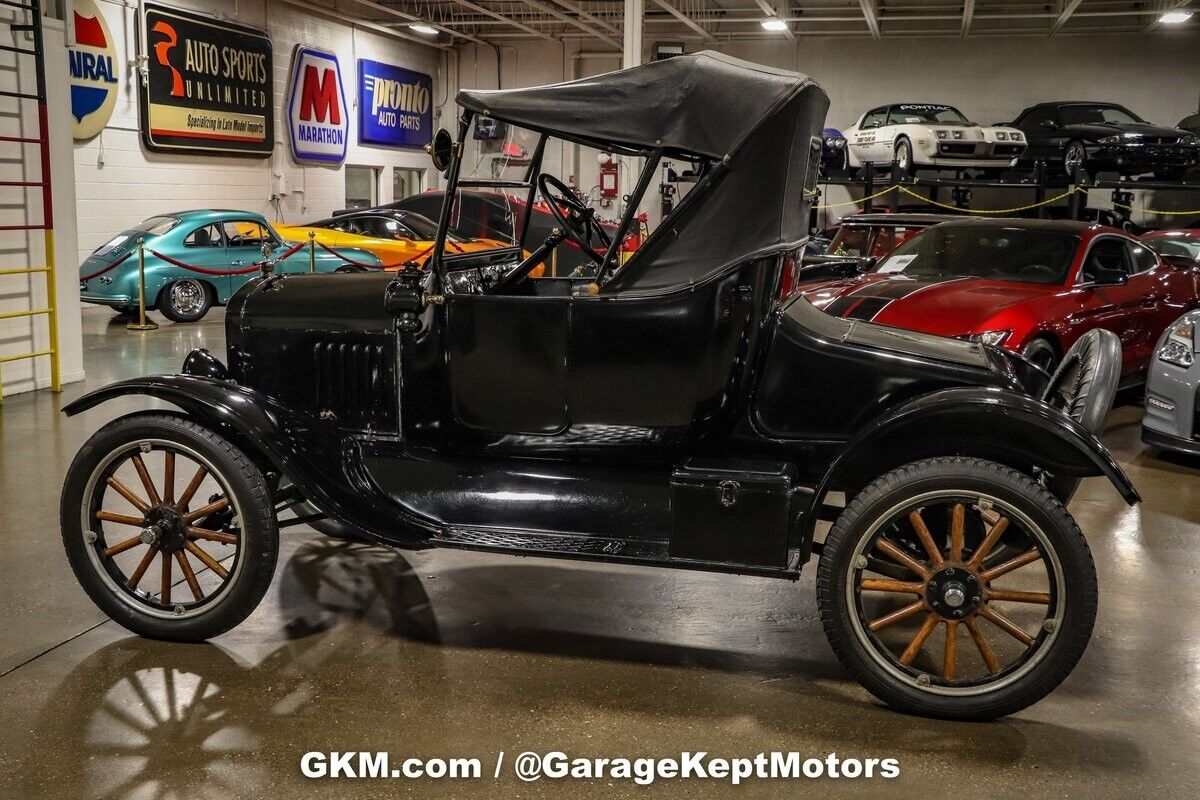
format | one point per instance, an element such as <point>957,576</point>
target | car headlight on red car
<point>992,338</point>
<point>1180,347</point>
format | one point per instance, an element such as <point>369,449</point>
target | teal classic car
<point>196,260</point>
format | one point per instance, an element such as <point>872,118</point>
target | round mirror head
<point>441,150</point>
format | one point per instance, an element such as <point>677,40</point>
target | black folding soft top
<point>705,103</point>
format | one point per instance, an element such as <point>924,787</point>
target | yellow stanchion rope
<point>1144,210</point>
<point>1012,210</point>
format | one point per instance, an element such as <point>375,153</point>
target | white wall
<point>119,182</point>
<point>990,79</point>
<point>23,206</point>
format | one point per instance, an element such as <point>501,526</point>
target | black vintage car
<point>1104,136</point>
<point>684,410</point>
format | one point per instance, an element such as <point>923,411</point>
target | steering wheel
<point>578,222</point>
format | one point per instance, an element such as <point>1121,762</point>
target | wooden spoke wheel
<point>169,527</point>
<point>957,588</point>
<point>976,572</point>
<point>162,527</point>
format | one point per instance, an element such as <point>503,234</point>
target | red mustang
<point>1030,286</point>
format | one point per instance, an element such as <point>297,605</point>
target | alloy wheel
<point>187,297</point>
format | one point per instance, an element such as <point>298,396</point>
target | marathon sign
<point>209,85</point>
<point>317,112</point>
<point>395,107</point>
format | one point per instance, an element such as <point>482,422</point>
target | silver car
<point>1172,418</point>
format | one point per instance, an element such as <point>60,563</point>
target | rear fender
<point>324,464</point>
<point>996,424</point>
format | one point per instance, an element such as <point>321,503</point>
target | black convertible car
<point>1105,136</point>
<point>684,410</point>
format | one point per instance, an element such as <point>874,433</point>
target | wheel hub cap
<point>164,529</point>
<point>954,592</point>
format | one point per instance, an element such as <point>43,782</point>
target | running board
<point>589,547</point>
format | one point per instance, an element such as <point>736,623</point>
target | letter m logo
<point>319,96</point>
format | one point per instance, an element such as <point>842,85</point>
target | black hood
<point>1096,130</point>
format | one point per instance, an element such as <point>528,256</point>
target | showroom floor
<point>360,647</point>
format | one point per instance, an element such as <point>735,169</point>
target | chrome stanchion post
<point>142,324</point>
<point>312,251</point>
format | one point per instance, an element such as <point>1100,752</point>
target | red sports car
<point>1030,286</point>
<point>1181,248</point>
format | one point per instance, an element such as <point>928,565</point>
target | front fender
<point>322,462</point>
<point>997,424</point>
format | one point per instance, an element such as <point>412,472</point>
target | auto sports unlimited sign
<point>92,64</point>
<point>395,105</point>
<point>317,113</point>
<point>209,85</point>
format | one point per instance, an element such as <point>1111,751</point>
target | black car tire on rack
<point>240,516</point>
<point>877,535</point>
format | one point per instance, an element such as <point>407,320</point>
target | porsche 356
<point>685,409</point>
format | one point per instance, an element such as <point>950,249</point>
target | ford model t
<point>684,409</point>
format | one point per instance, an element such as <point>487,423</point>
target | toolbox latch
<point>729,492</point>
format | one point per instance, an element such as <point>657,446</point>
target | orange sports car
<point>396,237</point>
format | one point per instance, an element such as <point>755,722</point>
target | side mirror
<point>1049,124</point>
<point>441,149</point>
<point>1107,276</point>
<point>867,264</point>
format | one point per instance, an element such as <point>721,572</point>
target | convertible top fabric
<point>705,103</point>
<point>761,128</point>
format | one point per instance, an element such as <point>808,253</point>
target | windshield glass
<point>423,227</point>
<point>1187,248</point>
<point>996,253</point>
<point>916,113</point>
<point>1092,115</point>
<point>869,240</point>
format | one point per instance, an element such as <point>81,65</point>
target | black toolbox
<point>736,512</point>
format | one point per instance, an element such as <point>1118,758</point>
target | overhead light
<point>421,27</point>
<point>1175,17</point>
<point>773,24</point>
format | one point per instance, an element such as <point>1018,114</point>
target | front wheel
<point>186,300</point>
<point>1074,158</point>
<point>957,588</point>
<point>904,156</point>
<point>169,528</point>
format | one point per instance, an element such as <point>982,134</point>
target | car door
<point>864,139</point>
<point>1125,309</point>
<point>1169,292</point>
<point>204,247</point>
<point>244,240</point>
<point>1041,139</point>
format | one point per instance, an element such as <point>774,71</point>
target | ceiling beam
<point>487,12</point>
<point>968,16</point>
<point>1065,15</point>
<point>577,9</point>
<point>367,25</point>
<point>771,11</point>
<point>868,9</point>
<point>685,19</point>
<point>545,9</point>
<point>407,17</point>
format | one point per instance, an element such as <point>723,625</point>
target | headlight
<point>1015,136</point>
<point>1180,346</point>
<point>1190,140</point>
<point>1109,140</point>
<point>957,134</point>
<point>941,134</point>
<point>1001,136</point>
<point>993,338</point>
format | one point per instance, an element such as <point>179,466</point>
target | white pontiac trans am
<point>930,135</point>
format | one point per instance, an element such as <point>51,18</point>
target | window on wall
<point>406,182</point>
<point>362,189</point>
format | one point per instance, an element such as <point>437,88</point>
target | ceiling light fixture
<point>773,24</point>
<point>1175,17</point>
<point>421,27</point>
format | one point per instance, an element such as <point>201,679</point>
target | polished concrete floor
<point>460,654</point>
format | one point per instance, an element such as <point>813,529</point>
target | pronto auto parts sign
<point>94,75</point>
<point>208,86</point>
<point>395,105</point>
<point>317,113</point>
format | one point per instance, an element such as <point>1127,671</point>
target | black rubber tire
<point>966,474</point>
<point>1041,352</point>
<point>1085,383</point>
<point>260,538</point>
<point>911,169</point>
<point>1068,171</point>
<point>165,307</point>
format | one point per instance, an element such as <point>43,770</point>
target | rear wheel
<point>168,527</point>
<point>957,588</point>
<point>186,300</point>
